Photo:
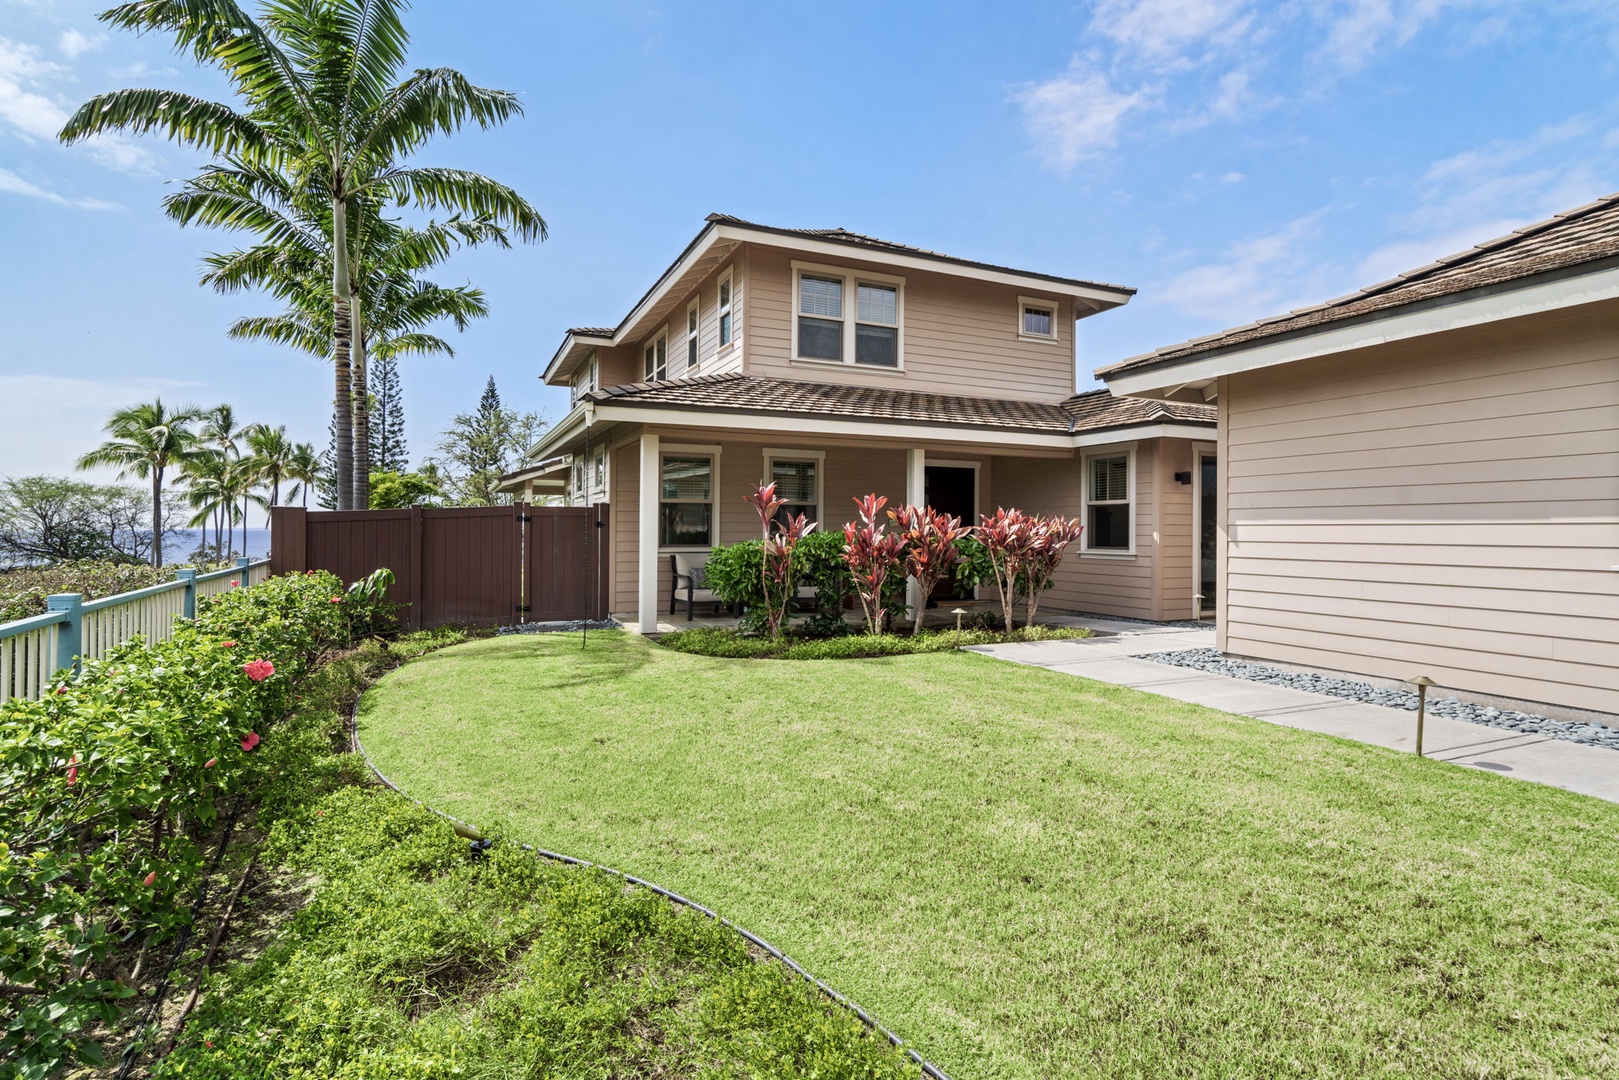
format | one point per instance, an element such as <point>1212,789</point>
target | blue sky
<point>1230,160</point>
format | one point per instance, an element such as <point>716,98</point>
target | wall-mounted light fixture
<point>1183,478</point>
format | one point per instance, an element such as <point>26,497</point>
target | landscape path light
<point>958,613</point>
<point>1421,682</point>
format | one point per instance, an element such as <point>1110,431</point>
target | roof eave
<point>1518,298</point>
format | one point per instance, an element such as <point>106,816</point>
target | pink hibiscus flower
<point>259,670</point>
<point>251,741</point>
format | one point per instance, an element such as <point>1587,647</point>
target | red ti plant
<point>871,551</point>
<point>1007,536</point>
<point>1048,539</point>
<point>930,548</point>
<point>776,568</point>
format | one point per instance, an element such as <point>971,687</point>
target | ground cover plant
<point>1033,875</point>
<point>23,591</point>
<point>724,642</point>
<point>165,795</point>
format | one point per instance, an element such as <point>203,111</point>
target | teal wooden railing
<point>72,629</point>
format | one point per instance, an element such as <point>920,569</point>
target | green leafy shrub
<point>112,786</point>
<point>23,590</point>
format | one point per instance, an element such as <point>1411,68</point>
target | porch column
<point>916,493</point>
<point>647,549</point>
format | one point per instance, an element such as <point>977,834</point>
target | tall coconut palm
<point>390,301</point>
<point>146,440</point>
<point>208,492</point>
<point>325,108</point>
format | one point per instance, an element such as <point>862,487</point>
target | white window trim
<point>694,334</point>
<point>1052,306</point>
<point>652,343</point>
<point>774,454</point>
<point>851,281</point>
<point>712,452</point>
<point>1129,453</point>
<point>727,277</point>
<point>589,368</point>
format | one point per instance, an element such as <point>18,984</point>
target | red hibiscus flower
<point>73,770</point>
<point>259,670</point>
<point>227,644</point>
<point>251,741</point>
<point>147,881</point>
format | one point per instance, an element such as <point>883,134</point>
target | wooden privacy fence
<point>479,565</point>
<point>32,650</point>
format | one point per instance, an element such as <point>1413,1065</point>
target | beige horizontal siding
<point>960,336</point>
<point>1448,507</point>
<point>1106,585</point>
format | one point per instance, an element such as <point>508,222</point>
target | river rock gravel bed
<point>1210,660</point>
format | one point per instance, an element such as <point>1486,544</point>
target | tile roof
<point>1582,235</point>
<point>854,239</point>
<point>1094,410</point>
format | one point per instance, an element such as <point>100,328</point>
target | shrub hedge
<point>715,641</point>
<point>24,589</point>
<point>109,790</point>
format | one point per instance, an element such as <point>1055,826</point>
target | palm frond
<point>469,192</point>
<point>188,120</point>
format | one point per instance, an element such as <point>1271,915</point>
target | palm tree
<point>304,470</point>
<point>326,113</point>
<point>146,440</point>
<point>208,493</point>
<point>272,458</point>
<point>391,303</point>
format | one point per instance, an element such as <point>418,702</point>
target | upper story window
<point>726,325</point>
<point>656,366</point>
<point>845,317</point>
<point>691,335</point>
<point>1109,481</point>
<point>686,501</point>
<point>1037,319</point>
<point>584,380</point>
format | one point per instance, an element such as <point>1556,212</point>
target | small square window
<point>1037,319</point>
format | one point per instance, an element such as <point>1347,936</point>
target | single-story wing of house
<point>1422,478</point>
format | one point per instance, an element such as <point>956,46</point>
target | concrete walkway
<point>1116,658</point>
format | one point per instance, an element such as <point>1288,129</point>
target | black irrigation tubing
<point>161,990</point>
<point>472,832</point>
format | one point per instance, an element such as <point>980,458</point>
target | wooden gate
<point>564,576</point>
<point>480,566</point>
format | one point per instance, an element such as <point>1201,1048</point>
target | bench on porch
<point>686,573</point>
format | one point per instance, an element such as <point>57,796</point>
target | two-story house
<point>835,365</point>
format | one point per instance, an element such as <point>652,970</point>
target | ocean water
<point>178,549</point>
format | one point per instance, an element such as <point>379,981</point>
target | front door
<point>952,489</point>
<point>1208,510</point>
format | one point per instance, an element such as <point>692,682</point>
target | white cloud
<point>13,184</point>
<point>1076,116</point>
<point>1164,30</point>
<point>1252,278</point>
<point>34,117</point>
<point>72,43</point>
<point>1486,192</point>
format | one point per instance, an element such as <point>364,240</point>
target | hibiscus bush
<point>111,791</point>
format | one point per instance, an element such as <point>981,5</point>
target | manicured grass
<point>1032,875</point>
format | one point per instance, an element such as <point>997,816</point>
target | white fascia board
<point>814,425</point>
<point>1151,431</point>
<point>1493,307</point>
<point>569,426</point>
<point>847,252</point>
<point>568,343</point>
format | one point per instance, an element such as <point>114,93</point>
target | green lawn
<point>1033,875</point>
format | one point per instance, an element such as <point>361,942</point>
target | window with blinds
<point>847,318</point>
<point>796,483</point>
<point>686,502</point>
<point>1107,503</point>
